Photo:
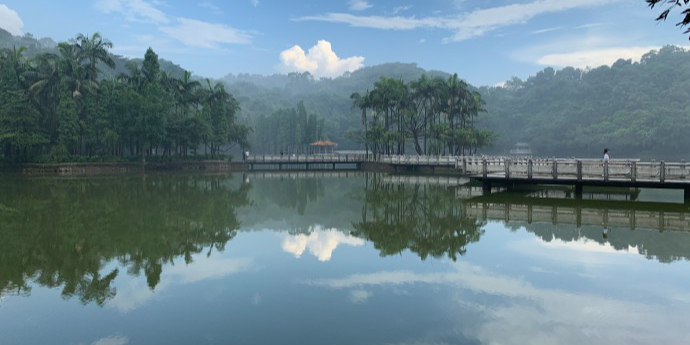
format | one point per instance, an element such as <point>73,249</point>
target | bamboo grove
<point>59,106</point>
<point>433,115</point>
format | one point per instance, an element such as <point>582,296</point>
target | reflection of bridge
<point>433,180</point>
<point>639,216</point>
<point>268,174</point>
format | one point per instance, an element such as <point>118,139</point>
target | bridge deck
<point>578,172</point>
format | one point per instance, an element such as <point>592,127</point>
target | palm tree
<point>74,75</point>
<point>188,90</point>
<point>93,50</point>
<point>18,63</point>
<point>44,78</point>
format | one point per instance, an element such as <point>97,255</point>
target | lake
<point>337,258</point>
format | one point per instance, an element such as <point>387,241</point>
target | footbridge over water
<point>579,173</point>
<point>508,171</point>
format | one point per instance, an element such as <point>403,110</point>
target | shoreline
<point>95,169</point>
<point>102,169</point>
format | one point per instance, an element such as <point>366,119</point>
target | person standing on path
<point>606,155</point>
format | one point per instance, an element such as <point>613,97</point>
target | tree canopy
<point>636,109</point>
<point>60,106</point>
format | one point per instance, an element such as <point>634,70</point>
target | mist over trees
<point>66,102</point>
<point>637,109</point>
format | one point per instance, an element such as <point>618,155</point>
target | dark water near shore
<point>337,258</point>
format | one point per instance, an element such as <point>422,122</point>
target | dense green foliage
<point>65,103</point>
<point>635,109</point>
<point>57,106</point>
<point>287,130</point>
<point>436,113</point>
<point>328,99</point>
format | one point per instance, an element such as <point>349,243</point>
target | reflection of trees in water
<point>291,193</point>
<point>62,233</point>
<point>664,246</point>
<point>426,219</point>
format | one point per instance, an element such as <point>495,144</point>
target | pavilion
<point>322,146</point>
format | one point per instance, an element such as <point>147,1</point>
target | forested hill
<point>36,46</point>
<point>636,109</point>
<point>328,99</point>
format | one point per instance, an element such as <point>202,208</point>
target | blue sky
<point>484,41</point>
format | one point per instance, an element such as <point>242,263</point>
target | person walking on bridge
<point>606,155</point>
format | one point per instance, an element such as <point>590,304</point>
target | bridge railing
<point>580,169</point>
<point>419,160</point>
<point>318,158</point>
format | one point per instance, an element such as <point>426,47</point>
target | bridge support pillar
<point>486,188</point>
<point>578,191</point>
<point>333,166</point>
<point>307,166</point>
<point>686,195</point>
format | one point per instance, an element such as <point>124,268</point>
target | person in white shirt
<point>606,155</point>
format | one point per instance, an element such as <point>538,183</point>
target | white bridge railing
<point>629,170</point>
<point>316,158</point>
<point>578,169</point>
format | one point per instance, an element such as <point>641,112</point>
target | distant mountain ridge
<point>637,109</point>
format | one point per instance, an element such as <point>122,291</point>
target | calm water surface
<point>294,258</point>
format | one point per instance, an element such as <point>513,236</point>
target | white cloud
<point>211,6</point>
<point>254,3</point>
<point>134,10</point>
<point>10,20</point>
<point>359,5</point>
<point>114,340</point>
<point>197,33</point>
<point>464,26</point>
<point>595,57</point>
<point>321,243</point>
<point>590,25</point>
<point>400,9</point>
<point>542,31</point>
<point>321,61</point>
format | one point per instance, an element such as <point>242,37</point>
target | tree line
<point>287,130</point>
<point>59,106</point>
<point>636,109</point>
<point>435,116</point>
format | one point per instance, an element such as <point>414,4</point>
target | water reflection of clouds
<point>112,340</point>
<point>541,315</point>
<point>320,242</point>
<point>585,245</point>
<point>136,292</point>
<point>359,296</point>
<point>582,251</point>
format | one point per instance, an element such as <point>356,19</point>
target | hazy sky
<point>484,41</point>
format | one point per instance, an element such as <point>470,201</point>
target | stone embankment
<point>81,169</point>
